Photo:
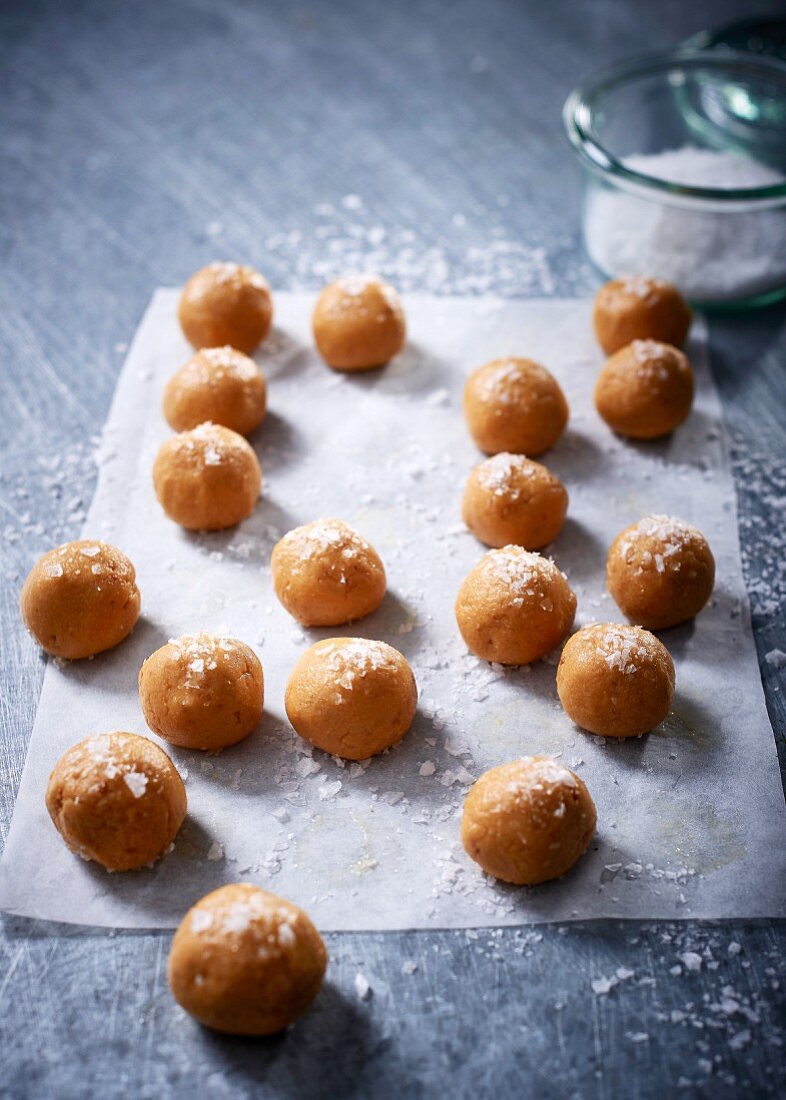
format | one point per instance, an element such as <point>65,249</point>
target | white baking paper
<point>690,818</point>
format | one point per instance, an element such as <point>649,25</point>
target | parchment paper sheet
<point>690,818</point>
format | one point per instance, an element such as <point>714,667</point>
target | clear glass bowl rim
<point>580,104</point>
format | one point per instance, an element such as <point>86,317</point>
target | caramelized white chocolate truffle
<point>511,499</point>
<point>660,571</point>
<point>528,821</point>
<point>218,384</point>
<point>202,691</point>
<point>118,799</point>
<point>514,607</point>
<point>80,599</point>
<point>207,479</point>
<point>514,405</point>
<point>325,574</point>
<point>245,961</point>
<point>226,303</point>
<point>637,307</point>
<point>615,680</point>
<point>358,323</point>
<point>351,697</point>
<point>645,390</point>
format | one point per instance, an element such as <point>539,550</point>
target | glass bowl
<point>684,173</point>
<point>763,35</point>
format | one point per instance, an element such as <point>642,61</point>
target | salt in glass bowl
<point>684,173</point>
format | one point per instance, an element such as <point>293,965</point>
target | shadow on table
<point>578,551</point>
<point>575,456</point>
<point>281,354</point>
<point>276,442</point>
<point>414,372</point>
<point>302,1061</point>
<point>117,668</point>
<point>251,542</point>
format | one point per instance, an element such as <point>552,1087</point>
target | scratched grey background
<point>141,140</point>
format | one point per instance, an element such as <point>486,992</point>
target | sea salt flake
<point>602,986</point>
<point>740,1040</point>
<point>362,987</point>
<point>286,934</point>
<point>136,783</point>
<point>391,798</point>
<point>201,920</point>
<point>691,961</point>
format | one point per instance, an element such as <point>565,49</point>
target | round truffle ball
<point>645,390</point>
<point>118,799</point>
<point>226,303</point>
<point>514,607</point>
<point>245,961</point>
<point>80,599</point>
<point>207,479</point>
<point>351,697</point>
<point>511,499</point>
<point>325,574</point>
<point>528,821</point>
<point>218,384</point>
<point>615,680</point>
<point>202,691</point>
<point>358,323</point>
<point>660,572</point>
<point>514,405</point>
<point>638,307</point>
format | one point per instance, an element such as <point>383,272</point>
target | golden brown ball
<point>528,821</point>
<point>207,479</point>
<point>615,680</point>
<point>118,799</point>
<point>245,961</point>
<point>645,390</point>
<point>514,405</point>
<point>638,307</point>
<point>351,697</point>
<point>514,607</point>
<point>660,571</point>
<point>358,323</point>
<point>80,599</point>
<point>202,691</point>
<point>226,303</point>
<point>511,499</point>
<point>221,385</point>
<point>325,574</point>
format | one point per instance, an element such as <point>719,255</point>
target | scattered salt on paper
<point>471,716</point>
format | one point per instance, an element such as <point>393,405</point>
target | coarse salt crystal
<point>362,987</point>
<point>136,783</point>
<point>201,920</point>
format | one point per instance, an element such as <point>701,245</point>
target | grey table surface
<point>141,140</point>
